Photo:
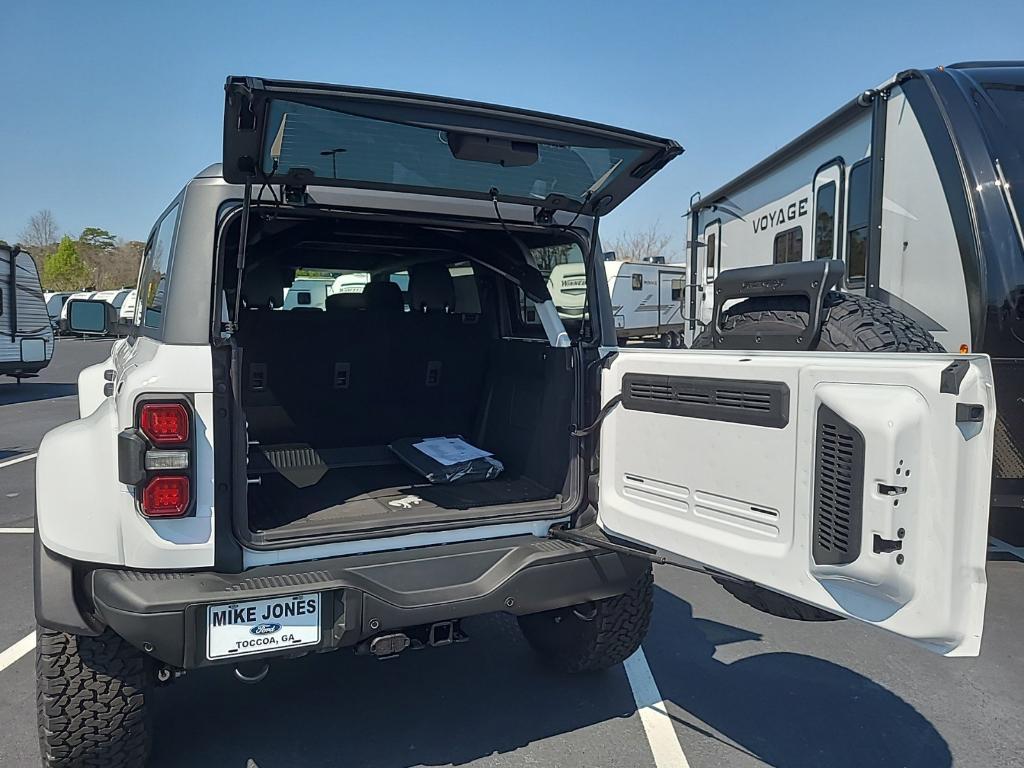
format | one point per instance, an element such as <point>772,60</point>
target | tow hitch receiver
<point>389,645</point>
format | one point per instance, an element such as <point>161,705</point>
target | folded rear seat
<point>443,353</point>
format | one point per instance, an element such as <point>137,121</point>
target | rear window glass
<point>155,269</point>
<point>355,148</point>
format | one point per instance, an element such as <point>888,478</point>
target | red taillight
<point>166,496</point>
<point>164,423</point>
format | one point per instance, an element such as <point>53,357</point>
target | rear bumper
<point>361,596</point>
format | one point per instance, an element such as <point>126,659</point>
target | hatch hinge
<point>592,536</point>
<point>294,194</point>
<point>545,216</point>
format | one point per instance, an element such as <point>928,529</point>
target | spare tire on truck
<point>851,324</point>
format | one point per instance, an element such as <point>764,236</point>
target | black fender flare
<point>56,603</point>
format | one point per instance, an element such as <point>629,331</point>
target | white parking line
<point>17,530</point>
<point>16,651</point>
<point>661,734</point>
<point>18,460</point>
<point>997,545</point>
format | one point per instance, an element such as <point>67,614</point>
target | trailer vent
<point>838,490</point>
<point>760,403</point>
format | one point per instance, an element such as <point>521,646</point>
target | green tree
<point>65,270</point>
<point>98,239</point>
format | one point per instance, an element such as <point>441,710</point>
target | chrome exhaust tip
<point>252,673</point>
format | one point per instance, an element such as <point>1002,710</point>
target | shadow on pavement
<point>451,706</point>
<point>441,706</point>
<point>29,391</point>
<point>787,709</point>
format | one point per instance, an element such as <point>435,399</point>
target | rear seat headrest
<point>431,288</point>
<point>263,286</point>
<point>383,296</point>
<point>344,301</point>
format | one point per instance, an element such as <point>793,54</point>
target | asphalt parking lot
<point>727,686</point>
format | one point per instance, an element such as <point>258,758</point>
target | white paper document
<point>450,450</point>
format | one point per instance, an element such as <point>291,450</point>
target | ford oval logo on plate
<point>267,628</point>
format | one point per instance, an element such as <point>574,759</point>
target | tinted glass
<point>155,271</point>
<point>857,213</point>
<point>825,221</point>
<point>86,316</point>
<point>789,246</point>
<point>337,145</point>
<point>712,246</point>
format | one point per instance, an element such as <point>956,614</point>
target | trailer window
<point>789,246</point>
<point>857,213</point>
<point>638,282</point>
<point>712,246</point>
<point>825,221</point>
<point>677,289</point>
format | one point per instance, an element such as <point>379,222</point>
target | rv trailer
<point>917,186</point>
<point>26,335</point>
<point>646,298</point>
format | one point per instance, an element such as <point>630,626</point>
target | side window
<point>825,221</point>
<point>467,293</point>
<point>857,213</point>
<point>789,246</point>
<point>156,262</point>
<point>565,271</point>
<point>638,282</point>
<point>677,289</point>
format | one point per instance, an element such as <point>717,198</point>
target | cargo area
<point>353,339</point>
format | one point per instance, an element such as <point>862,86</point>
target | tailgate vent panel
<point>838,489</point>
<point>738,401</point>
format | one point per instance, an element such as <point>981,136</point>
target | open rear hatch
<point>305,134</point>
<point>326,392</point>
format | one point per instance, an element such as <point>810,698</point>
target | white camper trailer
<point>26,336</point>
<point>55,301</point>
<point>647,299</point>
<point>917,186</point>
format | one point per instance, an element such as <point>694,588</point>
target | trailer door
<point>670,299</point>
<point>828,189</point>
<point>709,258</point>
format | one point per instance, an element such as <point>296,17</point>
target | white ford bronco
<point>252,480</point>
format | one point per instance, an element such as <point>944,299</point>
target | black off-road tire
<point>92,701</point>
<point>852,324</point>
<point>595,636</point>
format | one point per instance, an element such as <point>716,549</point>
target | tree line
<point>95,260</point>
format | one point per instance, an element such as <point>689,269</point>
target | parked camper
<point>55,301</point>
<point>26,336</point>
<point>647,301</point>
<point>115,298</point>
<point>310,292</point>
<point>127,312</point>
<point>918,187</point>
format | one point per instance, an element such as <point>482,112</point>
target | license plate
<point>258,626</point>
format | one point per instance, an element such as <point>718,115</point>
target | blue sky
<point>108,108</point>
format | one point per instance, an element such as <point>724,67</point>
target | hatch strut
<point>577,536</point>
<point>243,242</point>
